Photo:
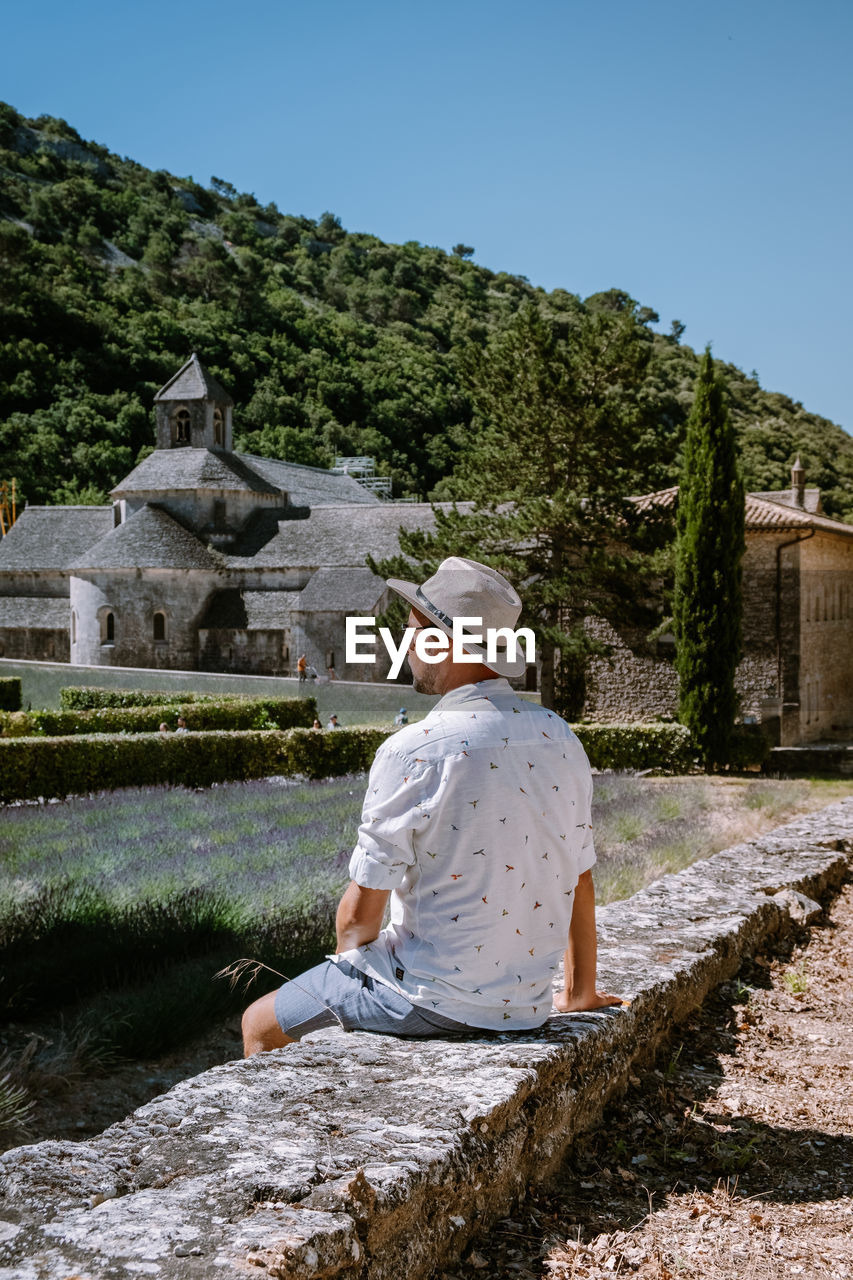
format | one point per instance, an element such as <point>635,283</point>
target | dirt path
<point>732,1159</point>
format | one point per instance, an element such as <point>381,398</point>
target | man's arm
<point>359,917</point>
<point>581,955</point>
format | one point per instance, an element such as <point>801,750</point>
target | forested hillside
<point>329,341</point>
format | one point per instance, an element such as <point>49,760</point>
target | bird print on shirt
<point>455,765</point>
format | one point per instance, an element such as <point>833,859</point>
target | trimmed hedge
<point>10,693</point>
<point>91,697</point>
<point>31,768</point>
<point>254,713</point>
<point>638,746</point>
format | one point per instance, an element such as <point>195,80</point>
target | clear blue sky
<point>696,155</point>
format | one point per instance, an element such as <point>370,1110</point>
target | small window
<point>159,627</point>
<point>73,627</point>
<point>182,426</point>
<point>285,652</point>
<point>218,428</point>
<point>108,628</point>
<point>219,515</point>
<point>330,659</point>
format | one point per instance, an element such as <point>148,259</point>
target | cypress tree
<point>708,552</point>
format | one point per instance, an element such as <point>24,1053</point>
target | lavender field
<point>150,891</point>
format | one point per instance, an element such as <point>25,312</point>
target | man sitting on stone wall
<point>476,824</point>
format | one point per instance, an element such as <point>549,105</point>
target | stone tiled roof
<point>193,382</point>
<point>341,590</point>
<point>52,537</point>
<point>338,536</point>
<point>311,486</point>
<point>811,499</point>
<point>762,512</point>
<point>36,612</point>
<point>150,539</point>
<point>174,470</point>
<point>234,609</point>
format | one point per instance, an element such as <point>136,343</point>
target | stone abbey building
<point>206,559</point>
<point>213,560</point>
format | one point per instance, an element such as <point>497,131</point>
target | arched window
<point>218,428</point>
<point>108,628</point>
<point>159,627</point>
<point>182,426</point>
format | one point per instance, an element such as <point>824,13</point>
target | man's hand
<point>359,917</point>
<point>569,1003</point>
<point>580,993</point>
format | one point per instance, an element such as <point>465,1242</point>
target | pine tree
<point>546,467</point>
<point>709,549</point>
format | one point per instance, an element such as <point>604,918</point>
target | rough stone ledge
<point>359,1156</point>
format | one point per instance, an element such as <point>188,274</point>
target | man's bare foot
<point>565,1003</point>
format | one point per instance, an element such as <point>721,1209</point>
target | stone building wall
<point>201,417</point>
<point>826,619</point>
<point>35,582</point>
<point>634,683</point>
<point>639,682</point>
<point>133,596</point>
<point>320,636</point>
<point>35,644</point>
<point>196,508</point>
<point>245,652</point>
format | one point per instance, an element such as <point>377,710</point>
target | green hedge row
<point>90,697</point>
<point>57,767</point>
<point>637,746</point>
<point>10,693</point>
<point>31,767</point>
<point>662,746</point>
<point>254,713</point>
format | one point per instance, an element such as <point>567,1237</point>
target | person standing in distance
<point>476,824</point>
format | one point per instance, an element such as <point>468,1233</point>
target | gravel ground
<point>730,1159</point>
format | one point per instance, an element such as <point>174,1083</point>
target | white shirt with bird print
<point>478,818</point>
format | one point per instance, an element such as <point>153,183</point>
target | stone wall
<point>35,644</point>
<point>364,1157</point>
<point>256,652</point>
<point>197,508</point>
<point>133,596</point>
<point>633,683</point>
<point>34,582</point>
<point>809,666</point>
<point>826,665</point>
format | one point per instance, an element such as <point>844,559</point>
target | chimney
<point>798,484</point>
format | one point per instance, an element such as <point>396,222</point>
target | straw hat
<point>462,588</point>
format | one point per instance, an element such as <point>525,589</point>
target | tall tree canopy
<point>709,548</point>
<point>554,447</point>
<point>329,340</point>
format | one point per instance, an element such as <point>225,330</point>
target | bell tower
<point>194,411</point>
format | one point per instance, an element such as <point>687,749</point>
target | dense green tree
<point>329,340</point>
<point>709,549</point>
<point>546,465</point>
